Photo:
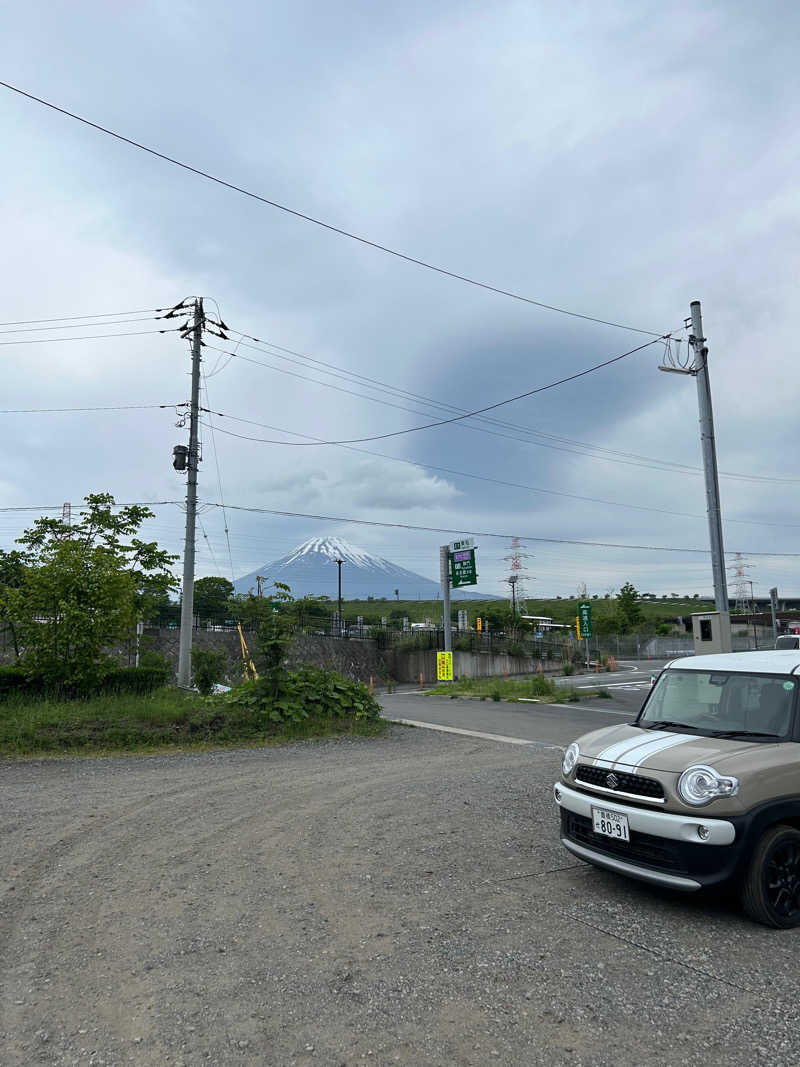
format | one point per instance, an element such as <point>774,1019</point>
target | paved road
<point>547,724</point>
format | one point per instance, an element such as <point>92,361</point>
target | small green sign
<point>462,568</point>
<point>585,616</point>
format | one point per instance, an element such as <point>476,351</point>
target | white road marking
<point>476,733</point>
<point>631,686</point>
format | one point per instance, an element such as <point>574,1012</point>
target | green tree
<point>629,614</point>
<point>83,587</point>
<point>211,596</point>
<point>12,576</point>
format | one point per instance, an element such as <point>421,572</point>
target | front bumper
<point>665,849</point>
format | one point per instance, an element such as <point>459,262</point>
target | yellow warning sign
<point>444,666</point>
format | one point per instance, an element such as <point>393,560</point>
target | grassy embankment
<point>543,690</point>
<point>561,611</point>
<point>166,720</point>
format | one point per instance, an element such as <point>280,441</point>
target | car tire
<point>770,891</point>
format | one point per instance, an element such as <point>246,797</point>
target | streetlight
<point>339,563</point>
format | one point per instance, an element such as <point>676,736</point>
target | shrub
<point>568,669</point>
<point>131,680</point>
<point>496,694</point>
<point>16,680</point>
<point>516,649</point>
<point>208,665</point>
<point>463,644</point>
<point>305,694</point>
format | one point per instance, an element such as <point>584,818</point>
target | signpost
<point>456,568</point>
<point>462,568</point>
<point>444,666</point>
<point>585,624</point>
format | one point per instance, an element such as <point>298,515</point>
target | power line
<point>319,222</point>
<point>455,418</point>
<point>465,474</point>
<point>80,325</point>
<point>219,482</point>
<point>118,407</point>
<point>87,337</point>
<point>408,526</point>
<point>69,318</point>
<point>500,481</point>
<point>578,448</point>
<point>485,533</point>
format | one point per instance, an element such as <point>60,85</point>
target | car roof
<point>769,661</point>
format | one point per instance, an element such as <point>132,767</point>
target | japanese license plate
<point>610,824</point>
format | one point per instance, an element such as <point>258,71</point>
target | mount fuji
<point>310,570</point>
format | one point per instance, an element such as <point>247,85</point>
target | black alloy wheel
<point>771,889</point>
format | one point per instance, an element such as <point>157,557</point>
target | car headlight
<point>570,758</point>
<point>700,785</point>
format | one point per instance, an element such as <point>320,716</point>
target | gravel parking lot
<point>394,901</point>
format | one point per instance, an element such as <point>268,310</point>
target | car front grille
<point>632,784</point>
<point>642,848</point>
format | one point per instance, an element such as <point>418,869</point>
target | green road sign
<point>462,568</point>
<point>585,616</point>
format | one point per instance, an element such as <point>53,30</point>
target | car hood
<point>632,749</point>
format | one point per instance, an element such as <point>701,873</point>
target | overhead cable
<point>500,481</point>
<point>485,533</point>
<point>87,337</point>
<point>70,318</point>
<point>455,418</point>
<point>319,222</point>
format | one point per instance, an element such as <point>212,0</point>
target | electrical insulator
<point>180,457</point>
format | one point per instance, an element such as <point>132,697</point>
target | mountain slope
<point>310,570</point>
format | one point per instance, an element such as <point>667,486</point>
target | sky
<point>615,160</point>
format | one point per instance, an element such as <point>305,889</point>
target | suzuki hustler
<point>703,788</point>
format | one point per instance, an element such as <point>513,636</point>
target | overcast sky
<point>615,159</point>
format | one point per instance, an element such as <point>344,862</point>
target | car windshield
<point>722,703</point>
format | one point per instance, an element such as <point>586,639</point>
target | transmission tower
<point>518,575</point>
<point>742,585</point>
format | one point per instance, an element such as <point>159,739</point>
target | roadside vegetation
<point>536,688</point>
<point>70,599</point>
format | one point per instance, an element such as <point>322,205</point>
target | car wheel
<point>771,888</point>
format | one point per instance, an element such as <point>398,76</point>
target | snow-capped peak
<point>335,548</point>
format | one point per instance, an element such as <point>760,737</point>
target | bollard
<point>371,685</point>
<point>505,671</point>
<point>597,668</point>
<point>421,684</point>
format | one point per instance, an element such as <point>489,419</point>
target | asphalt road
<point>546,724</point>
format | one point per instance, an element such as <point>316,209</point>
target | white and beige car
<point>703,788</point>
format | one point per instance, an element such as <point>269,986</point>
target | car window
<point>722,701</point>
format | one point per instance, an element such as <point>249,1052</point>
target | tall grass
<point>166,718</point>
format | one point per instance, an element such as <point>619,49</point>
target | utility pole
<point>339,563</point>
<point>444,579</point>
<point>708,442</point>
<point>699,369</point>
<point>193,459</point>
<point>773,604</point>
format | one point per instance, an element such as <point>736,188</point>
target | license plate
<point>610,824</point>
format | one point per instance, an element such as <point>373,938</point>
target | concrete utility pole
<point>709,447</point>
<point>193,459</point>
<point>699,368</point>
<point>444,580</point>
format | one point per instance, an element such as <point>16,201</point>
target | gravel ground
<point>395,901</point>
